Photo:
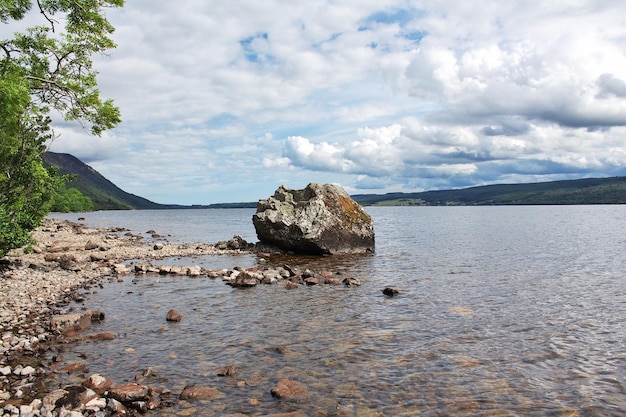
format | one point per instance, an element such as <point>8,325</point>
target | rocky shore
<point>38,284</point>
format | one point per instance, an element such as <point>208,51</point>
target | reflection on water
<point>503,311</point>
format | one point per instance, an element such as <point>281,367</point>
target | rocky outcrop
<point>320,219</point>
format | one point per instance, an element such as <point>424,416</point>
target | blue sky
<point>225,101</point>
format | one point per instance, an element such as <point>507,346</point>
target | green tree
<point>68,200</point>
<point>45,68</point>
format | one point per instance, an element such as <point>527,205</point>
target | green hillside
<point>583,191</point>
<point>104,194</point>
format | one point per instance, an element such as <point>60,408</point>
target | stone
<point>95,315</point>
<point>26,411</point>
<point>116,407</point>
<point>291,286</point>
<point>96,404</point>
<point>311,281</point>
<point>90,245</point>
<point>28,371</point>
<point>390,292</point>
<point>72,398</point>
<point>199,393</point>
<point>98,383</point>
<point>49,401</point>
<point>129,392</point>
<point>121,269</point>
<point>229,370</point>
<point>351,282</point>
<point>102,336</point>
<point>173,315</point>
<point>320,219</point>
<point>244,280</point>
<point>194,271</point>
<point>298,413</point>
<point>75,367</point>
<point>289,389</point>
<point>75,322</point>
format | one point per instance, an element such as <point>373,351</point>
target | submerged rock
<point>320,219</point>
<point>173,315</point>
<point>390,292</point>
<point>289,389</point>
<point>199,393</point>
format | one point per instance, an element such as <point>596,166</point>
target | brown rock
<point>49,401</point>
<point>70,322</point>
<point>289,389</point>
<point>95,315</point>
<point>291,286</point>
<point>200,393</point>
<point>311,281</point>
<point>102,336</point>
<point>116,407</point>
<point>98,383</point>
<point>73,397</point>
<point>75,367</point>
<point>173,315</point>
<point>229,370</point>
<point>298,413</point>
<point>244,280</point>
<point>129,393</point>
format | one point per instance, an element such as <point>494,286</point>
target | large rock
<point>320,219</point>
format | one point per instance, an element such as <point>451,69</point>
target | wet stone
<point>174,315</point>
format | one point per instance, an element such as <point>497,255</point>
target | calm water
<point>504,311</point>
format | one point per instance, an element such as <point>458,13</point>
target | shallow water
<point>503,311</point>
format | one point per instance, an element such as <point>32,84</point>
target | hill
<point>104,194</point>
<point>107,196</point>
<point>583,191</point>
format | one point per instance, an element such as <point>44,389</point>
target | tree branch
<point>52,22</point>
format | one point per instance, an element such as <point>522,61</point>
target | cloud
<point>609,85</point>
<point>224,101</point>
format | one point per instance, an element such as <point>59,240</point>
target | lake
<point>503,311</point>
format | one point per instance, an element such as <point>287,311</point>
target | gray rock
<point>320,219</point>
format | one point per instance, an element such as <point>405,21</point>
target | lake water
<point>503,311</point>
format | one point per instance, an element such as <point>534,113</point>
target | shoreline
<point>39,284</point>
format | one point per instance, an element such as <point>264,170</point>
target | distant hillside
<point>107,196</point>
<point>104,194</point>
<point>584,191</point>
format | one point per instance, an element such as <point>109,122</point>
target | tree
<point>68,200</point>
<point>42,69</point>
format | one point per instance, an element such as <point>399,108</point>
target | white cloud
<point>242,96</point>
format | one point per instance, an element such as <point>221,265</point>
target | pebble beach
<point>36,286</point>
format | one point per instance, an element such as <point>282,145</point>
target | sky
<point>224,101</point>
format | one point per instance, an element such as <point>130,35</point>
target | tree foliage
<point>70,200</point>
<point>45,68</point>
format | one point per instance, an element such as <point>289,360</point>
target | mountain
<point>582,191</point>
<point>104,194</point>
<point>107,196</point>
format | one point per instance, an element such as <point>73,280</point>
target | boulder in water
<point>320,219</point>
